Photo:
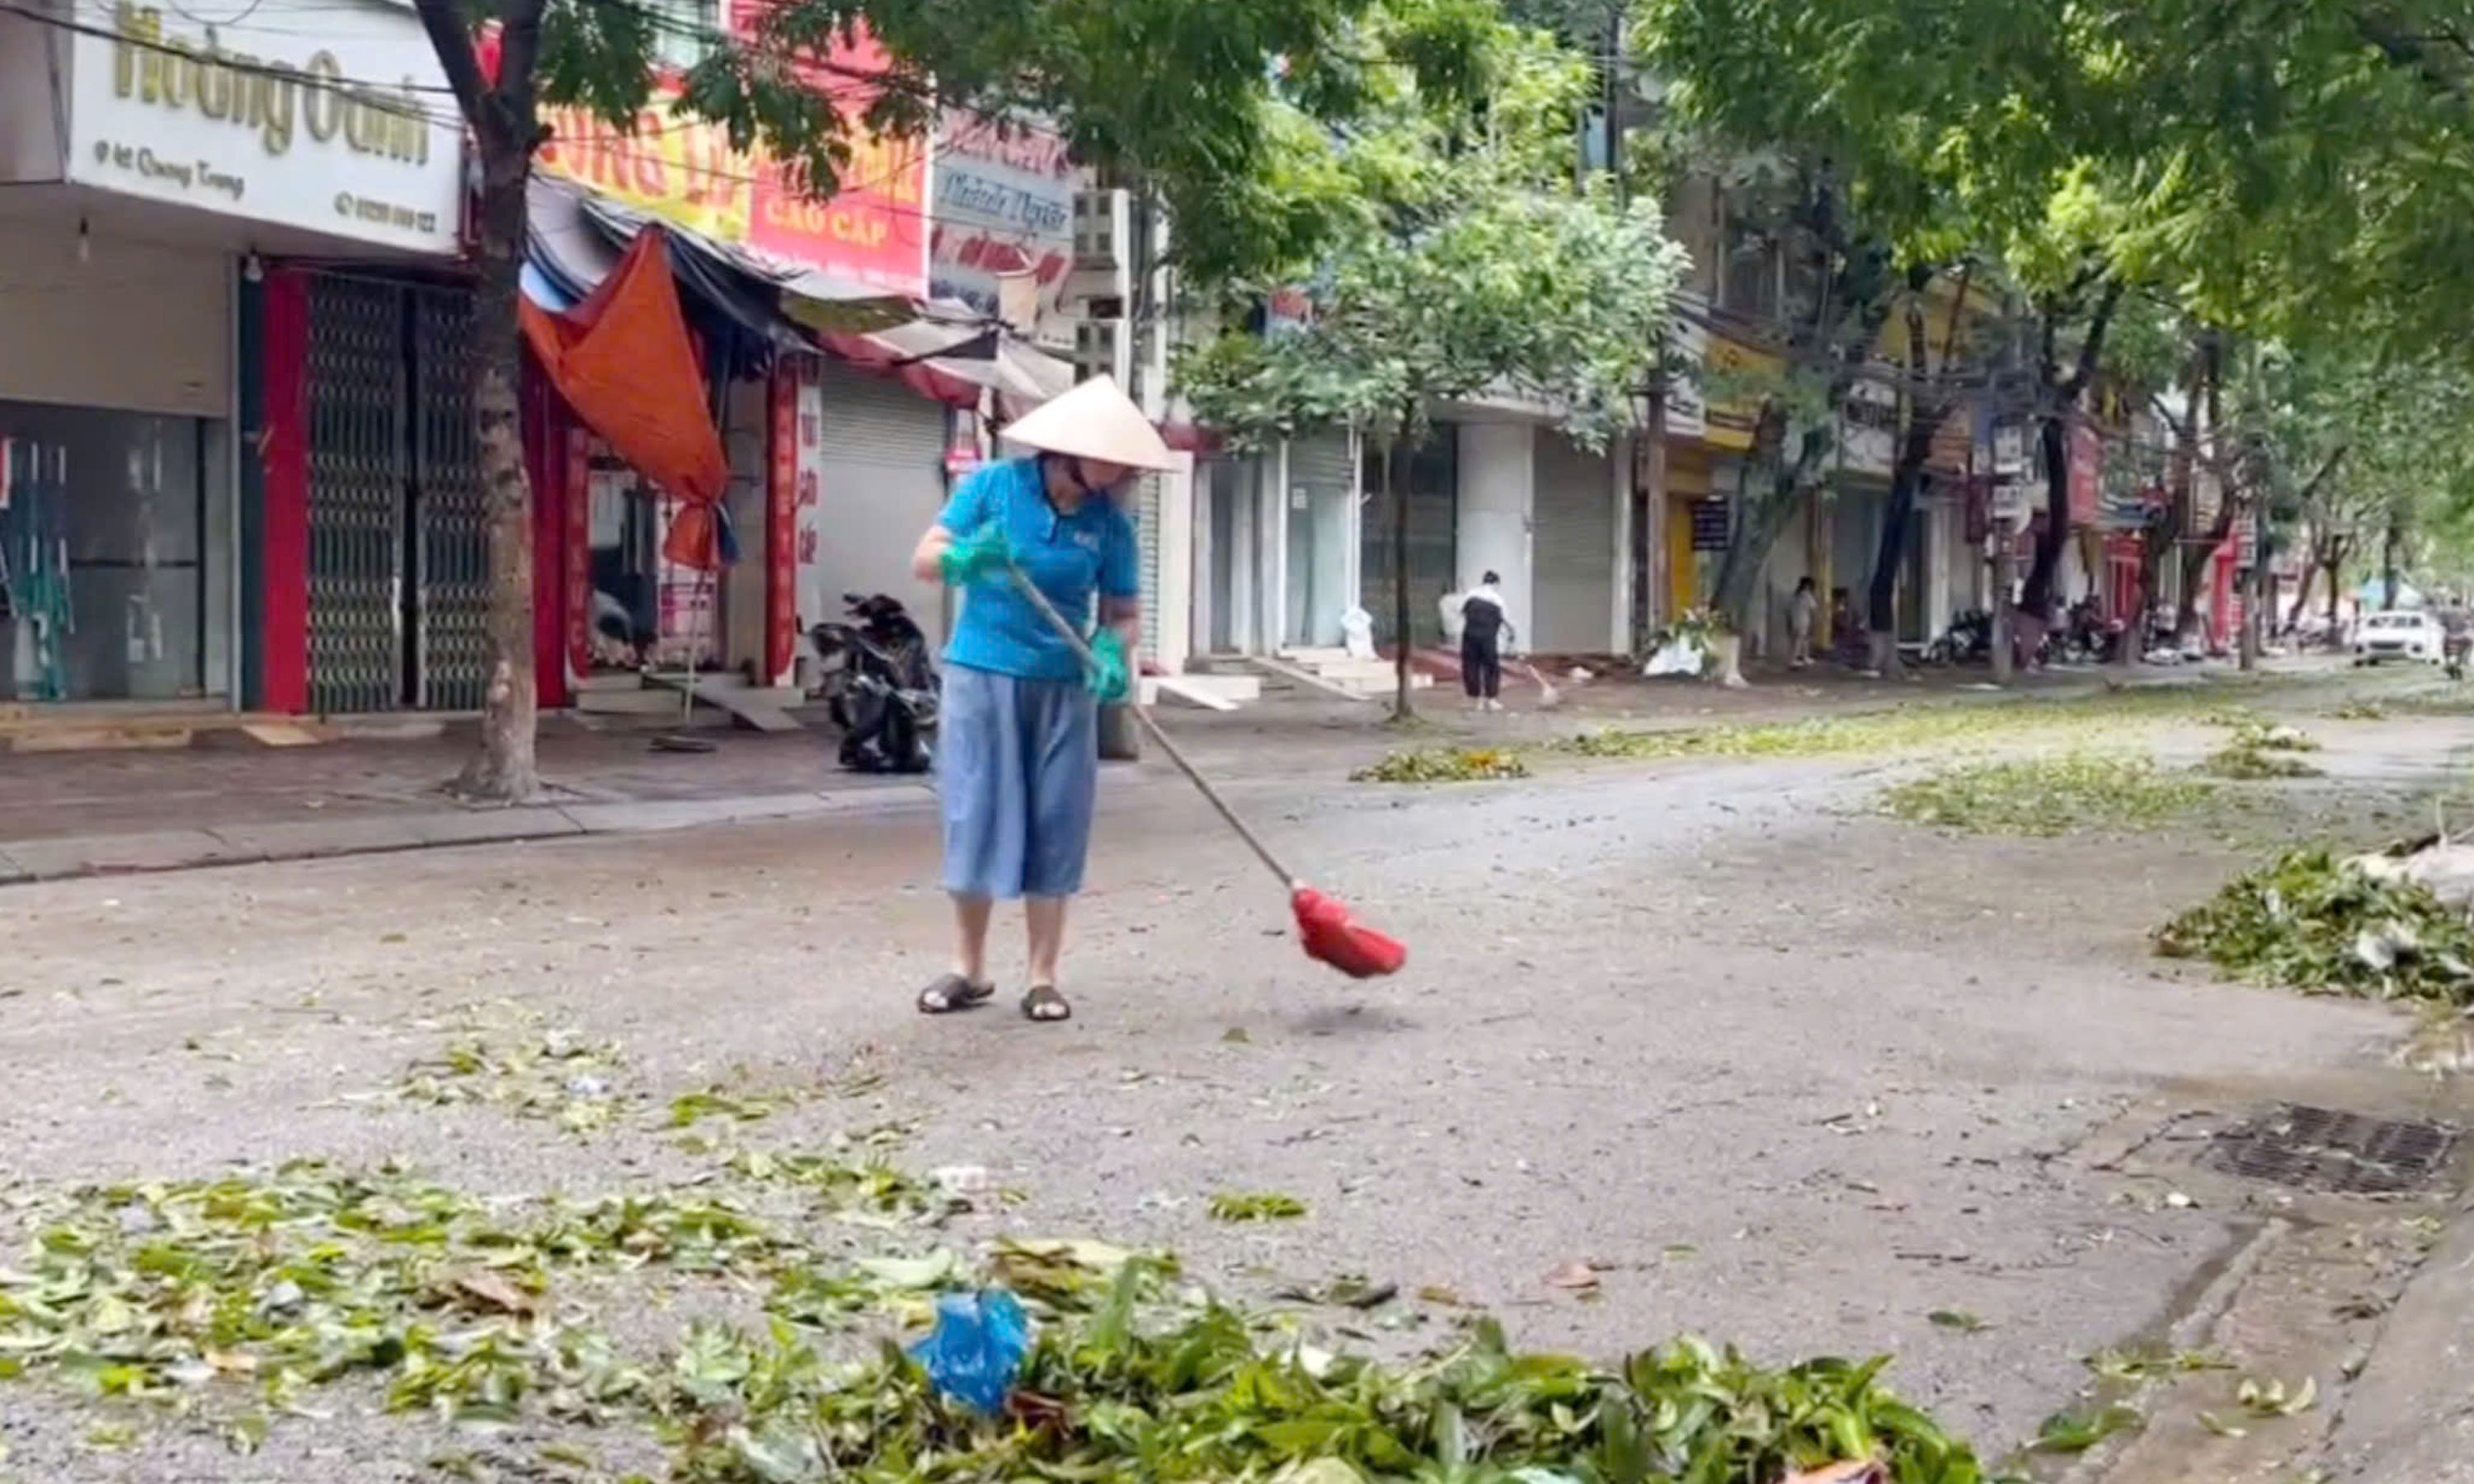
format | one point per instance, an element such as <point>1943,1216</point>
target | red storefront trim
<point>575,472</point>
<point>781,539</point>
<point>283,453</point>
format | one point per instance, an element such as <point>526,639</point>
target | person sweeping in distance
<point>1484,632</point>
<point>1018,750</point>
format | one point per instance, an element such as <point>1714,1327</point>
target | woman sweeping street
<point>1018,754</point>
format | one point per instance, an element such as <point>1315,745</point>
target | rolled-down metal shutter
<point>1571,550</point>
<point>1323,480</point>
<point>1146,526</point>
<point>356,457</point>
<point>881,474</point>
<point>1433,536</point>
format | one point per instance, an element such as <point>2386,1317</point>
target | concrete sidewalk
<point>77,814</point>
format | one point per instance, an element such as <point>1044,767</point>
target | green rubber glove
<point>974,557</point>
<point>1110,675</point>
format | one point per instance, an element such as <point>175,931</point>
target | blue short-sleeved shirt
<point>1067,556</point>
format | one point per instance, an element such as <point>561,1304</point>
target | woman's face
<point>1099,474</point>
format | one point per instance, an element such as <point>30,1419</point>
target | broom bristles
<point>1332,936</point>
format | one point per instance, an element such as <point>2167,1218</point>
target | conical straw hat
<point>1094,421</point>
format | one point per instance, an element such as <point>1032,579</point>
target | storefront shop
<point>154,184</point>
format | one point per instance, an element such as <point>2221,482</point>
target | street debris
<point>236,1301</point>
<point>2049,795</point>
<point>1575,1277</point>
<point>1937,727</point>
<point>1444,765</point>
<point>509,1057</point>
<point>976,1351</point>
<point>1237,1205</point>
<point>2313,922</point>
<point>2263,751</point>
<point>2272,1399</point>
<point>2075,1432</point>
<point>2133,1366</point>
<point>1959,1319</point>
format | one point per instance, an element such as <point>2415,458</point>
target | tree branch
<point>444,21</point>
<point>2311,491</point>
<point>2092,348</point>
<point>520,39</point>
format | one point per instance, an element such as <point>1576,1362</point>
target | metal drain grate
<point>2322,1149</point>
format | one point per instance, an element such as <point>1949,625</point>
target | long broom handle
<point>1073,638</point>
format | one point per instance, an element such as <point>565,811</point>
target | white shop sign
<point>340,126</point>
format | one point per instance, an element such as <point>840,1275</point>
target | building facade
<point>156,168</point>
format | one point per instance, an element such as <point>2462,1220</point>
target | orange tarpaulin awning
<point>624,362</point>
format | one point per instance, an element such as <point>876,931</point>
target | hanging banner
<point>872,229</point>
<point>816,603</point>
<point>1004,206</point>
<point>2087,471</point>
<point>1688,352</point>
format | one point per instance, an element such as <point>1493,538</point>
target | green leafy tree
<point>1171,93</point>
<point>1465,261</point>
<point>1843,287</point>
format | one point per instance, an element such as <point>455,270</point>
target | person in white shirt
<point>1801,612</point>
<point>1485,628</point>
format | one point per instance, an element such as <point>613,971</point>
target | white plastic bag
<point>1677,656</point>
<point>1357,629</point>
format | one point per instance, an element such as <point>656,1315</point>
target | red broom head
<point>1334,936</point>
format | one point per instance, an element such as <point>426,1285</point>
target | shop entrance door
<point>398,554</point>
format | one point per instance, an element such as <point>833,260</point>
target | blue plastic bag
<point>975,1353</point>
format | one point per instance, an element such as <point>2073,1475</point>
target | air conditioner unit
<point>1104,347</point>
<point>1104,229</point>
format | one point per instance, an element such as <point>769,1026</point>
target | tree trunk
<point>2196,558</point>
<point>2250,594</point>
<point>1648,517</point>
<point>2392,541</point>
<point>503,770</point>
<point>2061,399</point>
<point>1748,547</point>
<point>2302,588</point>
<point>2054,445</point>
<point>1402,641</point>
<point>2335,591</point>
<point>1907,482</point>
<point>2001,654</point>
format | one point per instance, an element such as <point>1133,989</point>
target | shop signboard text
<point>333,133</point>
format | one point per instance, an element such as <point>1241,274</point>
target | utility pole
<point>1649,471</point>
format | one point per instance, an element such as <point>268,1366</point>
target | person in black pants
<point>1484,629</point>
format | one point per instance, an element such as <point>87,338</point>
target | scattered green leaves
<point>2047,796</point>
<point>1934,725</point>
<point>242,1296</point>
<point>1256,1205</point>
<point>1444,765</point>
<point>2313,922</point>
<point>507,1057</point>
<point>2134,1366</point>
<point>2271,1398</point>
<point>2260,751</point>
<point>2075,1432</point>
<point>1958,1319</point>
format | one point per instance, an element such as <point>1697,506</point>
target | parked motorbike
<point>1969,639</point>
<point>877,683</point>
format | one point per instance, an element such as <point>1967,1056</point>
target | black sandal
<point>952,994</point>
<point>1042,1003</point>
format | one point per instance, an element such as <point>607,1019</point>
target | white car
<point>2415,636</point>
